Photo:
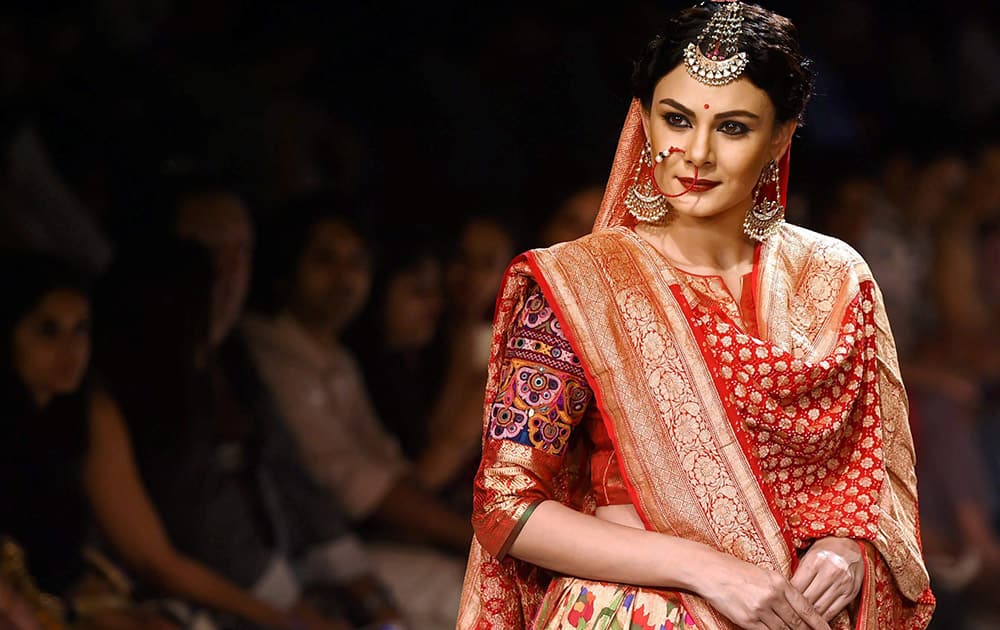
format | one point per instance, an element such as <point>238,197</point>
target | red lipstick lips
<point>697,185</point>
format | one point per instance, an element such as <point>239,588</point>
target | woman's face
<point>413,305</point>
<point>52,344</point>
<point>728,132</point>
<point>476,272</point>
<point>333,277</point>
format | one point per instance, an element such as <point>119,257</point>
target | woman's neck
<point>716,246</point>
<point>320,330</point>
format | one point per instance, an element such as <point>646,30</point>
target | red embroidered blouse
<point>544,397</point>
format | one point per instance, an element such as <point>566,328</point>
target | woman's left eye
<point>733,128</point>
<point>676,120</point>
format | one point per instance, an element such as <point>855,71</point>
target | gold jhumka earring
<point>644,200</point>
<point>765,215</point>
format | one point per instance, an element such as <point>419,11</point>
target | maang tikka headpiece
<point>713,58</point>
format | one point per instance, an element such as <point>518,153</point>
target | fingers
<point>772,621</point>
<point>807,580</point>
<point>826,577</point>
<point>815,592</point>
<point>830,605</point>
<point>789,609</point>
<point>804,610</point>
<point>761,599</point>
<point>828,596</point>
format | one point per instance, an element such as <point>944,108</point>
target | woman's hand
<point>830,575</point>
<point>756,598</point>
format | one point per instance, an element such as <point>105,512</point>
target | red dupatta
<point>753,445</point>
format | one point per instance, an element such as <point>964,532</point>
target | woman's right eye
<point>676,120</point>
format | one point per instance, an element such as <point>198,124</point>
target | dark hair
<point>776,65</point>
<point>25,279</point>
<point>45,508</point>
<point>283,240</point>
<point>397,254</point>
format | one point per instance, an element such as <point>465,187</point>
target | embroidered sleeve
<point>543,396</point>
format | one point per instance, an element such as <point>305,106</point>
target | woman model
<point>694,416</point>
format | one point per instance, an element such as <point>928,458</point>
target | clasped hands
<point>827,579</point>
<point>829,575</point>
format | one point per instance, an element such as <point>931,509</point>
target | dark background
<point>423,115</point>
<point>428,112</point>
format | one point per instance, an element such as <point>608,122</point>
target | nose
<point>699,152</point>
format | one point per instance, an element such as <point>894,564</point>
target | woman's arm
<point>542,385</point>
<point>564,540</point>
<point>454,424</point>
<point>127,517</point>
<point>456,429</point>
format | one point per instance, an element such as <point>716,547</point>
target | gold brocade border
<point>653,386</point>
<point>687,473</point>
<point>685,469</point>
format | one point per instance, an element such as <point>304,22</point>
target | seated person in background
<point>221,467</point>
<point>211,213</point>
<point>316,268</point>
<point>573,216</point>
<point>394,339</point>
<point>484,247</point>
<point>397,342</point>
<point>72,467</point>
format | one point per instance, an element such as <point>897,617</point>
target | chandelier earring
<point>644,200</point>
<point>766,213</point>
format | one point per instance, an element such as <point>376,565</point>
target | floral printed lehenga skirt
<point>578,604</point>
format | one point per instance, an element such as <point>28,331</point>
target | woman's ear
<point>644,117</point>
<point>782,138</point>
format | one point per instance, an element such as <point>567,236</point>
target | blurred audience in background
<point>307,463</point>
<point>572,217</point>
<point>317,277</point>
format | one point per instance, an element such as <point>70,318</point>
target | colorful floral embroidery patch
<point>544,394</point>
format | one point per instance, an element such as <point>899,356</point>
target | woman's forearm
<point>190,580</point>
<point>561,539</point>
<point>418,513</point>
<point>128,519</point>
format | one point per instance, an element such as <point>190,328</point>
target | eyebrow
<point>684,110</point>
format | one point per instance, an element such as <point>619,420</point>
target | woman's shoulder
<point>812,247</point>
<point>599,245</point>
<point>598,239</point>
<point>279,340</point>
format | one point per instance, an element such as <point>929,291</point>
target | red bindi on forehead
<point>706,105</point>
